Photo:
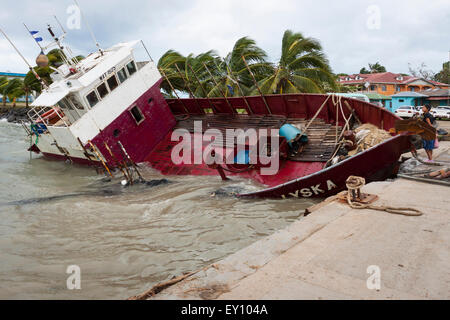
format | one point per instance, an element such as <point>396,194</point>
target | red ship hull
<point>150,141</point>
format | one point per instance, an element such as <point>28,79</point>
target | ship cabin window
<point>131,67</point>
<point>122,74</point>
<point>71,99</point>
<point>68,111</point>
<point>137,115</point>
<point>71,110</point>
<point>112,83</point>
<point>64,105</point>
<point>102,90</point>
<point>92,99</point>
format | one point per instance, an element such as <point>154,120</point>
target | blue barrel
<point>293,134</point>
<point>243,157</point>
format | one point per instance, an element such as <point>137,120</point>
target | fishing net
<point>368,136</point>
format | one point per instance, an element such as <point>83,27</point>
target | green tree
<point>32,84</point>
<point>235,75</point>
<point>444,75</point>
<point>373,68</point>
<point>376,68</point>
<point>196,74</point>
<point>230,71</point>
<point>55,58</point>
<point>3,84</point>
<point>364,71</point>
<point>13,90</point>
<point>167,65</point>
<point>187,74</point>
<point>302,67</point>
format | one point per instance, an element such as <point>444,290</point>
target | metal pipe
<point>239,87</point>
<point>100,158</point>
<point>44,85</point>
<point>89,28</point>
<point>87,155</point>
<point>256,84</point>
<point>217,85</point>
<point>188,87</point>
<point>131,160</point>
<point>61,48</point>
<point>34,40</point>
<point>203,89</point>
<point>118,162</point>
<point>173,89</point>
<point>143,44</point>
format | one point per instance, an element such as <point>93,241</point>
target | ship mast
<point>44,85</point>
<point>89,28</point>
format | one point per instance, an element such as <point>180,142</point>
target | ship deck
<point>313,158</point>
<point>322,136</point>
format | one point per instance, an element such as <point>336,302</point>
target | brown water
<point>123,239</point>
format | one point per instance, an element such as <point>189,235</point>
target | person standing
<point>428,145</point>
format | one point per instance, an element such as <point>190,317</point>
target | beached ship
<point>108,110</point>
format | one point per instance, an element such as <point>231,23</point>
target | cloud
<point>412,31</point>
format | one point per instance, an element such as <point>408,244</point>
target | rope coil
<point>354,185</point>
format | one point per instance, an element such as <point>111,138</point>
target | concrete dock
<point>340,253</point>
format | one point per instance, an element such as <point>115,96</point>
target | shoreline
<point>14,114</point>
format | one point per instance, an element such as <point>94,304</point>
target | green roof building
<point>380,99</point>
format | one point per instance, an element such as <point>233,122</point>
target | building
<point>434,97</point>
<point>354,95</point>
<point>407,98</point>
<point>388,83</point>
<point>380,99</point>
<point>437,97</point>
<point>12,75</point>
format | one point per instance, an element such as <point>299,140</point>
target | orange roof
<point>383,77</point>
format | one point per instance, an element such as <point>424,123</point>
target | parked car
<point>441,112</point>
<point>406,112</point>
<point>419,111</point>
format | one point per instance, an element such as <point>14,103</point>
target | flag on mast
<point>36,38</point>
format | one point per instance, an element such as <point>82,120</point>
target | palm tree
<point>32,84</point>
<point>302,67</point>
<point>234,78</point>
<point>188,74</point>
<point>225,73</point>
<point>55,58</point>
<point>376,68</point>
<point>3,84</point>
<point>14,89</point>
<point>167,66</point>
<point>196,72</point>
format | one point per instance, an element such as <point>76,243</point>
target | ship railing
<point>45,117</point>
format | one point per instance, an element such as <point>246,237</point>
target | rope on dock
<point>354,184</point>
<point>164,285</point>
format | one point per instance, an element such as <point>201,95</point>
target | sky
<point>353,33</point>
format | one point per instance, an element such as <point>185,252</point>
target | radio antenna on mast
<point>60,25</point>
<point>65,58</point>
<point>89,27</point>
